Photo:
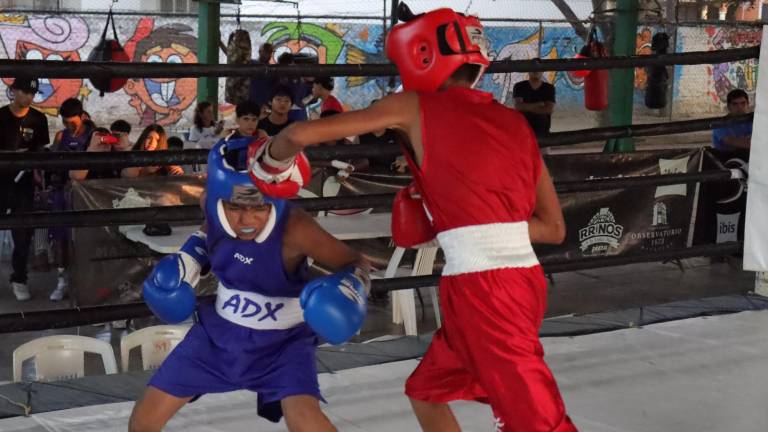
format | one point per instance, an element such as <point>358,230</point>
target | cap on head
<point>428,48</point>
<point>27,85</point>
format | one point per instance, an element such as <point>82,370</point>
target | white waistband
<point>479,248</point>
<point>257,311</point>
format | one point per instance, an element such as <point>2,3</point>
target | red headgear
<point>428,48</point>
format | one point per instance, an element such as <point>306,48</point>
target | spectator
<point>205,130</point>
<point>22,128</point>
<point>73,138</point>
<point>262,87</point>
<point>152,138</point>
<point>104,141</point>
<point>76,132</point>
<point>739,135</point>
<point>322,88</point>
<point>175,143</point>
<point>300,88</point>
<point>121,130</point>
<point>277,119</point>
<point>247,120</point>
<point>536,100</point>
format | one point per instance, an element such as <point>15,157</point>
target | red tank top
<point>481,160</point>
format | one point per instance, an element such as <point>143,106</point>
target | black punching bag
<point>108,50</point>
<point>657,76</point>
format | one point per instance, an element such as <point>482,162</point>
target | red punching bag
<point>596,83</point>
<point>108,50</point>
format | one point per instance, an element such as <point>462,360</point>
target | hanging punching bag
<point>584,53</point>
<point>237,89</point>
<point>108,50</point>
<point>596,83</point>
<point>657,76</point>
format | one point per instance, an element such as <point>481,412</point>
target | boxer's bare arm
<point>547,224</point>
<point>397,111</point>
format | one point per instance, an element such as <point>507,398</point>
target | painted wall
<point>699,90</point>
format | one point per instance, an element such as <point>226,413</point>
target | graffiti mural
<point>698,89</point>
<point>729,76</point>
<point>161,100</point>
<point>55,38</point>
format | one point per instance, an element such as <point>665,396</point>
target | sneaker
<point>61,290</point>
<point>21,291</point>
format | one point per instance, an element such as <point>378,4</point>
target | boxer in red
<point>488,196</point>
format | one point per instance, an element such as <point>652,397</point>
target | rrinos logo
<point>601,234</point>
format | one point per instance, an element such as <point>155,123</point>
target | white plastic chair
<point>156,343</point>
<point>403,302</point>
<point>62,357</point>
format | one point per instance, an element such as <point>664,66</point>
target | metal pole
<point>622,82</point>
<point>392,22</point>
<point>208,37</point>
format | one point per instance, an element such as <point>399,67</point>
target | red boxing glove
<point>410,224</point>
<point>278,179</point>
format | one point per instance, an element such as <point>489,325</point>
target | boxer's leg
<point>303,414</point>
<point>500,313</point>
<point>154,409</point>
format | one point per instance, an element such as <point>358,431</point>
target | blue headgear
<point>228,183</point>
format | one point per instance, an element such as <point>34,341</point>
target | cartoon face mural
<point>161,100</point>
<point>307,39</point>
<point>37,37</point>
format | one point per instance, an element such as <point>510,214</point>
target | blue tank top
<point>70,142</point>
<point>255,267</point>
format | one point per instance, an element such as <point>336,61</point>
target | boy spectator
<point>121,130</point>
<point>22,128</point>
<point>73,138</point>
<point>322,88</point>
<point>277,119</point>
<point>739,135</point>
<point>76,132</point>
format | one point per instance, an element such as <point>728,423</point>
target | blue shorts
<point>217,356</point>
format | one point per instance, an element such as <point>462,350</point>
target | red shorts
<point>488,350</point>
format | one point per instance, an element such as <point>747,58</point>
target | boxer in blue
<point>261,334</point>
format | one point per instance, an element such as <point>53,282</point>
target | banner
<point>624,221</point>
<point>756,232</point>
<point>721,208</point>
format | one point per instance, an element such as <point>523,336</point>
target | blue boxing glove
<point>335,305</point>
<point>169,290</point>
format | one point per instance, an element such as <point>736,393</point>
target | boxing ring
<point>703,373</point>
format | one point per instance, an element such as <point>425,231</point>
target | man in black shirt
<point>536,100</point>
<point>22,129</point>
